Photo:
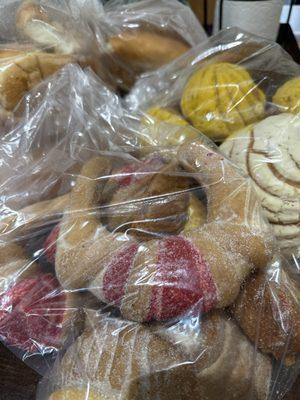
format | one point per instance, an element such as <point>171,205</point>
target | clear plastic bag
<point>39,38</point>
<point>163,246</point>
<point>144,35</point>
<point>242,90</point>
<point>57,126</point>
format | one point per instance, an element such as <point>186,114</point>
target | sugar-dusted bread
<point>122,360</point>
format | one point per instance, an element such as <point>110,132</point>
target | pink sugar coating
<point>183,281</point>
<point>31,313</point>
<point>117,272</point>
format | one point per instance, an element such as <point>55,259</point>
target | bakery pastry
<point>135,276</point>
<point>269,152</point>
<point>154,133</point>
<point>135,51</point>
<point>166,115</point>
<point>287,97</point>
<point>22,221</point>
<point>268,311</point>
<point>23,70</point>
<point>34,24</point>
<point>123,360</point>
<point>197,213</point>
<point>35,311</point>
<point>221,98</point>
<point>158,197</point>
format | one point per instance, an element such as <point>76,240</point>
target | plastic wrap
<point>244,91</point>
<point>37,38</point>
<point>59,124</point>
<point>144,35</point>
<point>165,249</point>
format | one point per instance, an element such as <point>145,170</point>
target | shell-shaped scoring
<point>269,152</point>
<point>222,98</point>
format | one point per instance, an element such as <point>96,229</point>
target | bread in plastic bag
<point>61,123</point>
<point>269,153</point>
<point>193,358</point>
<point>143,36</point>
<point>164,238</point>
<point>243,89</point>
<point>221,85</point>
<point>38,38</point>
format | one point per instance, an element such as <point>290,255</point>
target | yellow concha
<point>288,96</point>
<point>75,394</point>
<point>156,134</point>
<point>222,98</point>
<point>167,115</point>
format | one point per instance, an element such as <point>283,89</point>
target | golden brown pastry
<point>268,311</point>
<point>44,30</point>
<point>158,197</point>
<point>146,51</point>
<point>34,215</point>
<point>122,360</point>
<point>208,265</point>
<point>22,70</point>
<point>134,51</point>
<point>34,23</point>
<point>197,214</point>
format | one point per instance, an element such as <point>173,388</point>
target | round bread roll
<point>269,152</point>
<point>288,96</point>
<point>222,98</point>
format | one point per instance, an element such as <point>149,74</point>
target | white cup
<point>258,17</point>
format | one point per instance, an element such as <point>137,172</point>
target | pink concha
<point>180,280</point>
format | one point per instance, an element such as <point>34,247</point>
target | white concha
<point>269,152</point>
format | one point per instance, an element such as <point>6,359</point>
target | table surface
<point>17,381</point>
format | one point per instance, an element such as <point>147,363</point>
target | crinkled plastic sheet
<point>62,11</point>
<point>143,35</point>
<point>243,91</point>
<point>62,122</point>
<point>36,40</point>
<point>165,248</point>
<point>39,37</point>
<point>267,61</point>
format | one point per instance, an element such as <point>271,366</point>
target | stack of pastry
<point>126,236</point>
<point>269,153</point>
